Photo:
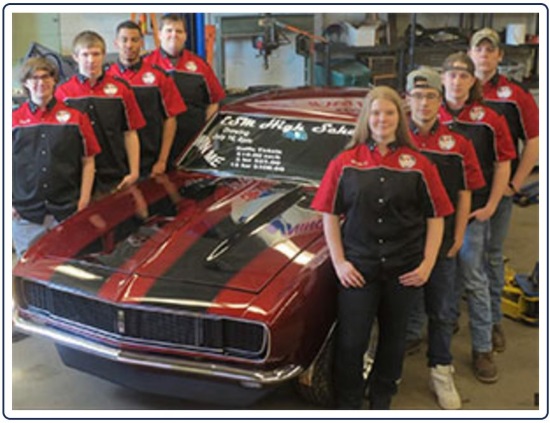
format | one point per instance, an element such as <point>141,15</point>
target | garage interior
<point>396,43</point>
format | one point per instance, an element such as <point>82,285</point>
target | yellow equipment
<point>520,298</point>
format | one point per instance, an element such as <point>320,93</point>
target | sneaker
<point>413,346</point>
<point>443,386</point>
<point>485,368</point>
<point>499,341</point>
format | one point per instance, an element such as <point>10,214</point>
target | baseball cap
<point>485,34</point>
<point>424,77</point>
<point>459,61</point>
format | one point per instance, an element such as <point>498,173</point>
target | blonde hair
<point>362,130</point>
<point>88,39</point>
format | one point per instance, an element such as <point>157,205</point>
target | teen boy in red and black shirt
<point>113,110</point>
<point>518,106</point>
<point>463,110</point>
<point>458,166</point>
<point>195,79</point>
<point>53,157</point>
<point>157,96</point>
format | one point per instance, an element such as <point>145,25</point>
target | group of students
<point>106,127</point>
<point>425,198</point>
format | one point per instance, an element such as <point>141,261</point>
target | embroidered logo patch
<point>446,142</point>
<point>477,113</point>
<point>191,66</point>
<point>63,116</point>
<point>110,89</point>
<point>504,92</point>
<point>148,78</point>
<point>406,161</point>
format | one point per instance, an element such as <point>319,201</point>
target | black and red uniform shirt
<point>48,147</point>
<point>456,161</point>
<point>517,105</point>
<point>158,98</point>
<point>385,201</point>
<point>491,138</point>
<point>197,84</point>
<point>112,108</point>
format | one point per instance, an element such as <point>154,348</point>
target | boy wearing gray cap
<point>458,166</point>
<point>521,112</point>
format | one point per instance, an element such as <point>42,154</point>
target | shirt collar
<point>135,67</point>
<point>83,78</point>
<point>416,130</point>
<point>371,144</point>
<point>494,79</point>
<point>168,55</point>
<point>34,107</point>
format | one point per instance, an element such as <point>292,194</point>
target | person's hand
<point>482,214</point>
<point>416,277</point>
<point>455,248</point>
<point>14,213</point>
<point>128,180</point>
<point>82,204</point>
<point>349,276</point>
<point>158,168</point>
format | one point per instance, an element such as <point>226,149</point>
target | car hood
<point>184,235</point>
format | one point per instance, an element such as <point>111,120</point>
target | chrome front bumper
<point>180,366</point>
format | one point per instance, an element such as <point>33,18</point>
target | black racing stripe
<point>94,264</point>
<point>224,250</point>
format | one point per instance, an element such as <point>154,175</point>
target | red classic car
<point>212,282</point>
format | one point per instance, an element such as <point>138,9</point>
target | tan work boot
<point>499,341</point>
<point>485,368</point>
<point>443,386</point>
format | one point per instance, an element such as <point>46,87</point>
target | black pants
<point>390,302</point>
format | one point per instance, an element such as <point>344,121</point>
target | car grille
<point>157,326</point>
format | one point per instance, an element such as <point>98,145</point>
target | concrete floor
<point>41,382</point>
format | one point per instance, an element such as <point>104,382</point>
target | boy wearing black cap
<point>463,110</point>
<point>521,112</point>
<point>458,166</point>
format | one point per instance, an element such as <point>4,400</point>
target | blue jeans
<point>389,301</point>
<point>438,298</point>
<point>417,319</point>
<point>500,222</point>
<point>25,233</point>
<point>472,278</point>
<point>437,306</point>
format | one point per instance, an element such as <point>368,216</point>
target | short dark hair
<point>173,17</point>
<point>129,25</point>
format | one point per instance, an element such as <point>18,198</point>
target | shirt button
<point>44,169</point>
<point>43,152</point>
<point>383,259</point>
<point>45,185</point>
<point>381,200</point>
<point>382,179</point>
<point>380,220</point>
<point>42,135</point>
<point>380,241</point>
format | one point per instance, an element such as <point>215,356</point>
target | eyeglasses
<point>427,96</point>
<point>43,77</point>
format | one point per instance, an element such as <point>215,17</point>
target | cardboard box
<point>364,36</point>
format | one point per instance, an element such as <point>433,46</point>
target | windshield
<point>267,147</point>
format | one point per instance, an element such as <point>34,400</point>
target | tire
<point>316,384</point>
